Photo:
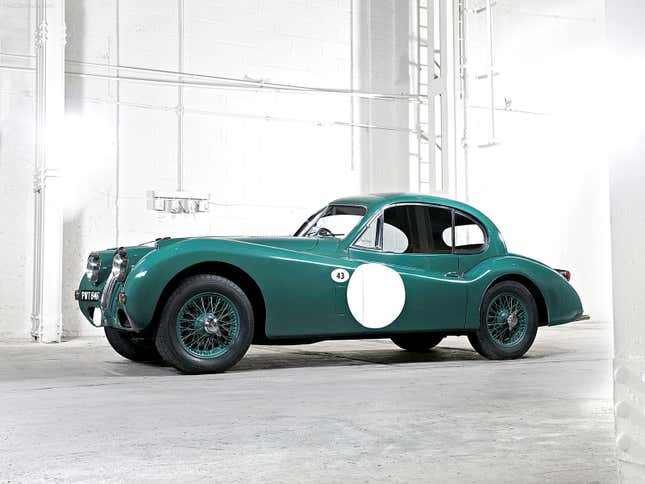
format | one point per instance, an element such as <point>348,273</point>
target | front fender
<point>562,302</point>
<point>148,279</point>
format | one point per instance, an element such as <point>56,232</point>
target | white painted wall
<point>383,65</point>
<point>624,127</point>
<point>17,129</point>
<point>264,176</point>
<point>545,183</point>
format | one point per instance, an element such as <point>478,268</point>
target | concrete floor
<point>356,411</point>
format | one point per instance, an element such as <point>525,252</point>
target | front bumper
<point>113,313</point>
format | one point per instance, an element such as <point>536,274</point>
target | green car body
<point>294,298</point>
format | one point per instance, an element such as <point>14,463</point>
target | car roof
<point>377,200</point>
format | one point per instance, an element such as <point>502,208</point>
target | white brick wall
<point>17,124</point>
<point>545,184</point>
<point>267,174</point>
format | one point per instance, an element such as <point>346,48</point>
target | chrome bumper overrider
<point>107,297</point>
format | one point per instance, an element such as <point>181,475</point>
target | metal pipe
<point>352,101</point>
<point>180,97</point>
<point>418,92</point>
<point>17,68</point>
<point>491,69</point>
<point>228,82</point>
<point>432,92</point>
<point>231,83</point>
<point>37,303</point>
<point>117,136</point>
<point>18,56</point>
<point>447,93</point>
<point>511,110</point>
<point>257,117</point>
<point>463,70</point>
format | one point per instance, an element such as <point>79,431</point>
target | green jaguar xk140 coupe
<point>412,268</point>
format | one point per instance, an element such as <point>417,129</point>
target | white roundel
<point>375,295</point>
<point>339,275</point>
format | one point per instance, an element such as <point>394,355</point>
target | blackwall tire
<point>418,343</point>
<point>206,325</point>
<point>133,346</point>
<point>508,322</point>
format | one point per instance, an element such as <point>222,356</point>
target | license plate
<point>92,296</point>
<point>96,317</point>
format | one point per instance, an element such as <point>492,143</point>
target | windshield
<point>332,221</point>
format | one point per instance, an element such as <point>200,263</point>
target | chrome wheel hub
<point>211,325</point>
<point>507,319</point>
<point>512,321</point>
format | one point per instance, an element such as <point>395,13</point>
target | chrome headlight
<point>93,268</point>
<point>120,265</point>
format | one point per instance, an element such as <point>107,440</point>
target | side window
<point>469,236</point>
<point>416,229</point>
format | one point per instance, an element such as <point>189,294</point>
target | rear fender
<point>561,303</point>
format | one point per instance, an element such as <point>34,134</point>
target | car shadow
<point>283,357</point>
<point>277,357</point>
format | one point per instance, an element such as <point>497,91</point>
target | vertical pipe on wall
<point>419,91</point>
<point>38,195</point>
<point>180,97</point>
<point>352,101</point>
<point>431,113</point>
<point>463,94</point>
<point>491,70</point>
<point>117,184</point>
<point>448,94</point>
<point>48,193</point>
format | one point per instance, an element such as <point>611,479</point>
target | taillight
<point>564,273</point>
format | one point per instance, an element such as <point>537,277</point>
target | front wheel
<point>206,325</point>
<point>133,346</point>
<point>417,342</point>
<point>508,322</point>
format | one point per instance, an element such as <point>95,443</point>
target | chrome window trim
<point>481,226</point>
<point>318,215</point>
<point>453,211</point>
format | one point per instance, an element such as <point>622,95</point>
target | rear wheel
<point>133,346</point>
<point>417,342</point>
<point>206,325</point>
<point>508,322</point>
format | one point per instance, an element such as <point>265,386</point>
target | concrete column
<point>626,135</point>
<point>381,63</point>
<point>48,217</point>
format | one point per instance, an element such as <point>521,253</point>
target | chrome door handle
<point>456,275</point>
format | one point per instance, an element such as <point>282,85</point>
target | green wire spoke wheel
<point>207,325</point>
<point>507,319</point>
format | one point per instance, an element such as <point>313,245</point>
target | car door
<point>415,241</point>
